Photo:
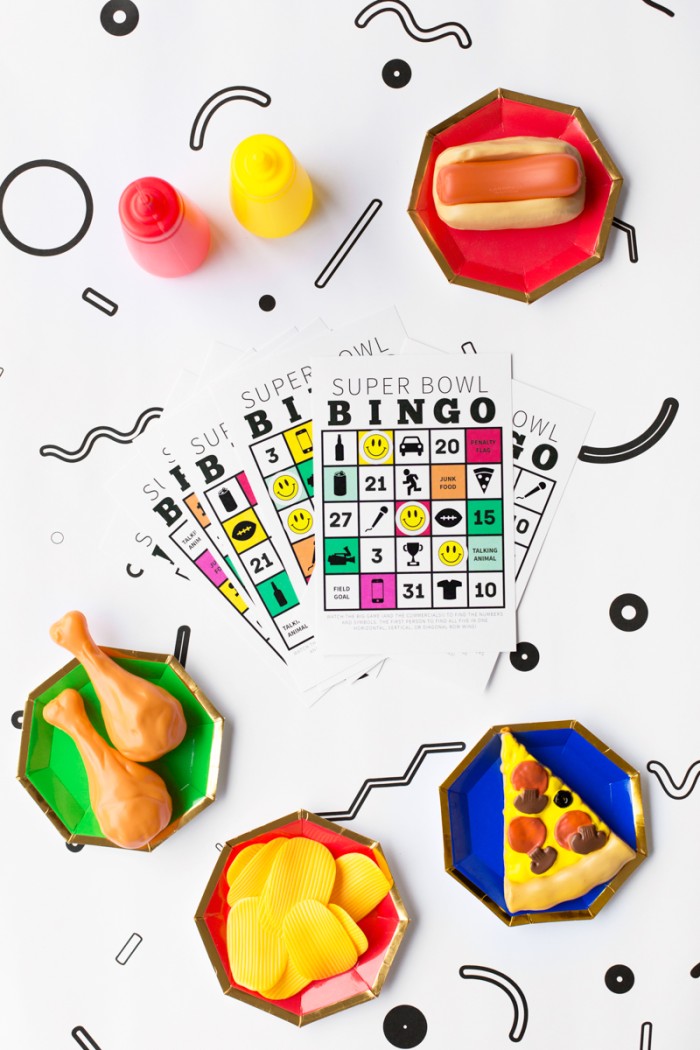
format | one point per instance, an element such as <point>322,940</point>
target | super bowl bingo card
<point>415,515</point>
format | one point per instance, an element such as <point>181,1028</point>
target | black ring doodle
<point>396,73</point>
<point>121,437</point>
<point>405,1026</point>
<point>695,972</point>
<point>512,990</point>
<point>423,36</point>
<point>84,1039</point>
<point>348,243</point>
<point>128,949</point>
<point>525,657</point>
<point>414,765</point>
<point>619,979</point>
<point>624,601</point>
<point>660,7</point>
<point>638,445</point>
<point>101,302</point>
<point>89,208</point>
<point>631,238</point>
<point>16,719</point>
<point>134,575</point>
<point>131,17</point>
<point>182,643</point>
<point>216,101</point>
<point>673,790</point>
<point>59,538</point>
<point>74,847</point>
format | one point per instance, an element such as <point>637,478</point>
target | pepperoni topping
<point>569,824</point>
<point>526,834</point>
<point>529,776</point>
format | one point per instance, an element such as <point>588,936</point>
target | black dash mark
<point>120,437</point>
<point>512,990</point>
<point>414,766</point>
<point>16,719</point>
<point>89,207</point>
<point>348,244</point>
<point>128,949</point>
<point>182,643</point>
<point>100,301</point>
<point>660,7</point>
<point>631,238</point>
<point>216,101</point>
<point>635,447</point>
<point>423,36</point>
<point>84,1039</point>
<point>676,791</point>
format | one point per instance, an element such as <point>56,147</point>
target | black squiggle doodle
<point>128,949</point>
<point>121,437</point>
<point>134,575</point>
<point>667,782</point>
<point>349,242</point>
<point>635,447</point>
<point>101,302</point>
<point>182,643</point>
<point>660,7</point>
<point>423,36</point>
<point>216,101</point>
<point>89,207</point>
<point>631,238</point>
<point>512,990</point>
<point>84,1039</point>
<point>414,766</point>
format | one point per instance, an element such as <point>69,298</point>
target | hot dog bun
<point>516,214</point>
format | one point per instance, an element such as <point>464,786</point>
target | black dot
<point>119,17</point>
<point>405,1026</point>
<point>17,719</point>
<point>74,847</point>
<point>619,979</point>
<point>396,73</point>
<point>695,972</point>
<point>267,303</point>
<point>526,656</point>
<point>625,602</point>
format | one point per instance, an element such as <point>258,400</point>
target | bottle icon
<point>339,449</point>
<point>340,483</point>
<point>279,595</point>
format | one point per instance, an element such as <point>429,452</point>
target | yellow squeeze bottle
<point>271,193</point>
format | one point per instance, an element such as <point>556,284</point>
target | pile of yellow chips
<point>294,913</point>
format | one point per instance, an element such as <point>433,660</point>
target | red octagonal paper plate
<point>519,264</point>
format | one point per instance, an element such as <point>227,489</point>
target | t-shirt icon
<point>449,589</point>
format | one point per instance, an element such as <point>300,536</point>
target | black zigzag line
<point>376,782</point>
<point>85,447</point>
<point>631,238</point>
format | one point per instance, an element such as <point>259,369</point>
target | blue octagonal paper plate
<point>471,801</point>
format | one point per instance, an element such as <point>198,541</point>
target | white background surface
<point>619,338</point>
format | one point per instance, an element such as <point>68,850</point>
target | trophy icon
<point>412,549</point>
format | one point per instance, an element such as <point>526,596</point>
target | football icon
<point>448,517</point>
<point>244,529</point>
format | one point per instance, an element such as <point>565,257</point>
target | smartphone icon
<point>377,591</point>
<point>304,438</point>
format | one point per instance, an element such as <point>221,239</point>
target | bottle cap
<point>150,209</point>
<point>262,166</point>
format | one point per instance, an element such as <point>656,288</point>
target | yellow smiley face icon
<point>413,517</point>
<point>376,447</point>
<point>285,487</point>
<point>300,521</point>
<point>451,553</point>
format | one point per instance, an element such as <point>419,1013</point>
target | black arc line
<point>89,207</point>
<point>216,101</point>
<point>660,7</point>
<point>182,643</point>
<point>348,243</point>
<point>16,719</point>
<point>423,36</point>
<point>130,572</point>
<point>667,782</point>
<point>512,990</point>
<point>631,238</point>
<point>638,445</point>
<point>378,782</point>
<point>121,437</point>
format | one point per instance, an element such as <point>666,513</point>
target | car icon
<point>411,443</point>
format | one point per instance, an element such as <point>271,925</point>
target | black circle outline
<point>398,65</point>
<point>397,1019</point>
<point>626,982</point>
<point>119,28</point>
<point>525,656</point>
<point>89,208</point>
<point>638,620</point>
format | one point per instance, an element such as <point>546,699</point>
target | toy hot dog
<point>509,184</point>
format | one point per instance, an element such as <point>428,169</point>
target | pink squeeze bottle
<point>167,234</point>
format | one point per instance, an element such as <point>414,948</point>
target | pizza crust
<point>569,883</point>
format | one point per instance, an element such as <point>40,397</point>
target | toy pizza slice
<point>556,848</point>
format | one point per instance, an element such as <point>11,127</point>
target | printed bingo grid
<point>413,519</point>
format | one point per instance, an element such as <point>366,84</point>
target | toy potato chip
<point>316,941</point>
<point>251,879</point>
<point>302,870</point>
<point>256,953</point>
<point>359,885</point>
